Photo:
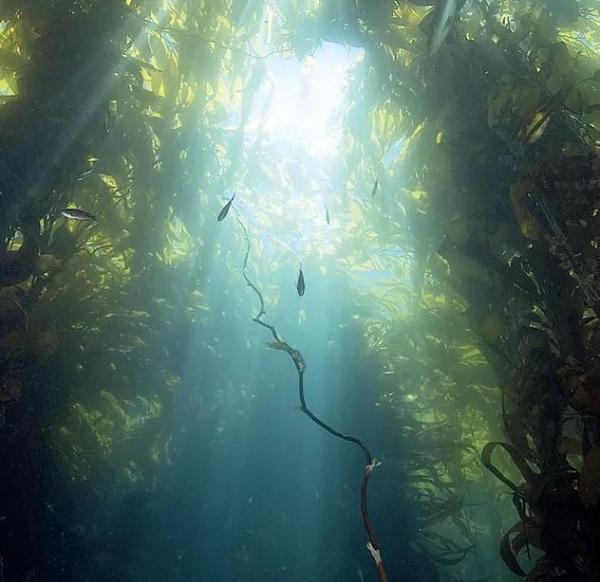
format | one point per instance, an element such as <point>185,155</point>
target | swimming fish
<point>300,286</point>
<point>78,214</point>
<point>225,209</point>
<point>327,217</point>
<point>444,15</point>
<point>375,186</point>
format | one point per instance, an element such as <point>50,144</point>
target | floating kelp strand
<point>300,365</point>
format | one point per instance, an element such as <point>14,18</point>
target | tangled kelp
<point>502,162</point>
<point>485,220</point>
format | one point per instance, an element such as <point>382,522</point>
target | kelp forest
<point>299,290</point>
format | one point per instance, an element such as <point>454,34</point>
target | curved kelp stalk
<point>518,533</point>
<point>17,266</point>
<point>300,364</point>
<point>529,530</point>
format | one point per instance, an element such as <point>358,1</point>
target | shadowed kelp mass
<point>410,189</point>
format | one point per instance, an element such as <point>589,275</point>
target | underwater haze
<point>299,290</point>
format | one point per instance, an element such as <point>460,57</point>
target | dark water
<point>251,488</point>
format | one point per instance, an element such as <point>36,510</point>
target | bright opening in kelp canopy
<point>235,230</point>
<point>291,134</point>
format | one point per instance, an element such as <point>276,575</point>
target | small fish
<point>534,131</point>
<point>225,209</point>
<point>443,18</point>
<point>300,286</point>
<point>77,214</point>
<point>327,217</point>
<point>375,186</point>
<point>85,175</point>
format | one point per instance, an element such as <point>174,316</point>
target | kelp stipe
<point>300,364</point>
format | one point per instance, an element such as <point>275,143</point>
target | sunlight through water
<point>299,100</point>
<point>294,133</point>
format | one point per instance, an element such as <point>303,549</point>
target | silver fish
<point>78,214</point>
<point>225,209</point>
<point>300,286</point>
<point>443,19</point>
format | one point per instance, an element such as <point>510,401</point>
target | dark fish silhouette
<point>327,217</point>
<point>375,187</point>
<point>225,209</point>
<point>300,286</point>
<point>78,214</point>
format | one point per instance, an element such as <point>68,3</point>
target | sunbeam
<point>300,290</point>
